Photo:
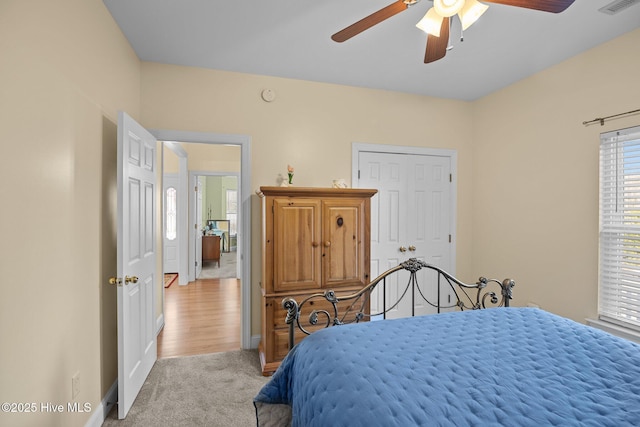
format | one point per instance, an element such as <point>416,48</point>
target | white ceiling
<point>291,39</point>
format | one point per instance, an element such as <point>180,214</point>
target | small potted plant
<point>290,174</point>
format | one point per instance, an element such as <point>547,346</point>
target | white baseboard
<point>100,413</point>
<point>159,323</point>
<point>255,341</point>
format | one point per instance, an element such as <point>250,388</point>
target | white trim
<point>255,341</point>
<point>358,147</point>
<point>99,414</point>
<point>159,323</point>
<point>617,330</point>
<point>177,149</point>
<point>398,149</point>
<point>183,212</point>
<point>244,220</point>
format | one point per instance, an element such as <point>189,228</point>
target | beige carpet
<point>227,269</point>
<point>205,390</point>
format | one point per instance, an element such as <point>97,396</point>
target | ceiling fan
<point>437,22</point>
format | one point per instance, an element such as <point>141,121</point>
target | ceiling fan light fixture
<point>431,23</point>
<point>447,8</point>
<point>470,12</point>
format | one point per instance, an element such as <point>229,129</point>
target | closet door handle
<point>403,249</point>
<point>412,248</point>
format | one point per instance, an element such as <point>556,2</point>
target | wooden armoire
<point>313,239</point>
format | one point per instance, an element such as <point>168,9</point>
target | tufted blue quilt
<point>494,367</point>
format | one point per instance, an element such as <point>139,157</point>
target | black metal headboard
<point>354,307</point>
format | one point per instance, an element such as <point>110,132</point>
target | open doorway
<point>216,216</point>
<point>223,213</point>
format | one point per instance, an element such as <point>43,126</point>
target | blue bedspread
<point>494,367</point>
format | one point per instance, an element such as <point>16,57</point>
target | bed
<point>501,366</point>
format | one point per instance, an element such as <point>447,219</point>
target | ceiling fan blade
<point>437,46</point>
<point>369,21</point>
<point>553,6</point>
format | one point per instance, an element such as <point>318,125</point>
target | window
<point>619,281</point>
<point>172,214</point>
<point>232,210</point>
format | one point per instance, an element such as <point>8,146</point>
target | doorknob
<point>130,279</point>
<point>115,281</point>
<point>412,248</point>
<point>403,249</point>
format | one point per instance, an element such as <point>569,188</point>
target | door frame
<point>358,147</point>
<point>244,199</point>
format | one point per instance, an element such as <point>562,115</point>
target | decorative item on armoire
<point>290,174</point>
<point>340,183</point>
<point>288,181</point>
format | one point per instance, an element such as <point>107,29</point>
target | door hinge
<point>358,173</point>
<point>196,263</point>
<point>449,238</point>
<point>195,188</point>
<point>450,177</point>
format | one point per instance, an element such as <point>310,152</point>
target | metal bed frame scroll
<point>355,306</point>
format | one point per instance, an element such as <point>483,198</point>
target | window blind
<point>619,269</point>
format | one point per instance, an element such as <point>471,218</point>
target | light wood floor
<point>201,317</point>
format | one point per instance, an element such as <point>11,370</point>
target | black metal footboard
<point>355,307</point>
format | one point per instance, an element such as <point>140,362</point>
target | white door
<point>172,236</point>
<point>199,225</point>
<point>137,351</point>
<point>410,218</point>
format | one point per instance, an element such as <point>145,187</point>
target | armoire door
<point>343,254</point>
<point>297,237</point>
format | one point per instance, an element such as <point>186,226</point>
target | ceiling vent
<point>617,6</point>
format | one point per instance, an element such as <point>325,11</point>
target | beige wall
<point>65,70</point>
<point>535,187</point>
<point>218,158</point>
<point>170,162</point>
<point>310,126</point>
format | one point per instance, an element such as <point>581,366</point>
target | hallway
<point>201,317</point>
